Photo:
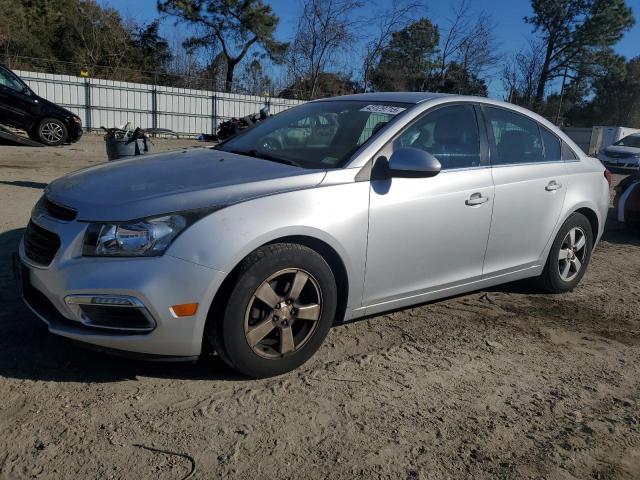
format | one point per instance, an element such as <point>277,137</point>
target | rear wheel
<point>569,255</point>
<point>52,132</point>
<point>279,310</point>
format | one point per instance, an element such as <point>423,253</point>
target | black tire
<point>552,279</point>
<point>51,132</point>
<point>230,340</point>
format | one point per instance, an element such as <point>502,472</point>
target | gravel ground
<point>506,383</point>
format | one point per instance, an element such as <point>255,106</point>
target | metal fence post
<point>87,103</point>
<point>214,114</point>
<point>154,108</point>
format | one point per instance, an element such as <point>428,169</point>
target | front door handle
<point>552,186</point>
<point>476,199</point>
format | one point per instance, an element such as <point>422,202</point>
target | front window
<point>317,134</point>
<point>629,141</point>
<point>449,133</point>
<point>9,80</point>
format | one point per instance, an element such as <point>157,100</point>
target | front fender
<point>336,215</point>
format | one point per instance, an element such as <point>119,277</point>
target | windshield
<point>629,141</point>
<point>316,134</point>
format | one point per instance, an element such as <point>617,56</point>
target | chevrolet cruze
<point>330,211</point>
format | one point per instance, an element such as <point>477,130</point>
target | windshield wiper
<point>265,156</point>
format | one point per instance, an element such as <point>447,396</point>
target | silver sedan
<point>330,211</point>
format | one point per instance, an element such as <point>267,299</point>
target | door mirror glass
<point>409,162</point>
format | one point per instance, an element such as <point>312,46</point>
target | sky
<point>512,33</point>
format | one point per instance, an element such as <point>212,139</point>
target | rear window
<point>568,153</point>
<point>552,148</point>
<point>516,138</point>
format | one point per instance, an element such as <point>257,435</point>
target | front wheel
<point>279,311</point>
<point>52,132</point>
<point>569,255</point>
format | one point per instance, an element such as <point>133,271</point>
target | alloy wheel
<point>51,132</point>
<point>572,254</point>
<point>283,313</point>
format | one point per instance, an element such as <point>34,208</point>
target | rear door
<point>530,187</point>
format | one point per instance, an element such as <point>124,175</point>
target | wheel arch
<point>43,116</point>
<point>594,221</point>
<point>324,249</point>
<point>584,208</point>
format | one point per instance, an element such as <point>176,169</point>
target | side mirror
<point>409,162</point>
<point>26,90</point>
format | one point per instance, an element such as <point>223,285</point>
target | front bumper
<point>157,282</point>
<point>616,165</point>
<point>75,132</point>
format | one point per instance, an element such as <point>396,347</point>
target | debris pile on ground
<point>126,142</point>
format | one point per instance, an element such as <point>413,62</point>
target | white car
<point>624,155</point>
<point>255,249</point>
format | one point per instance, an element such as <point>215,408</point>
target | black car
<point>43,120</point>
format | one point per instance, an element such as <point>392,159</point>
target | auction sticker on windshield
<point>388,109</point>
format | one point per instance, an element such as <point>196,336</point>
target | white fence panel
<point>111,103</point>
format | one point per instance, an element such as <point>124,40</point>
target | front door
<point>429,234</point>
<point>15,104</point>
<point>531,184</point>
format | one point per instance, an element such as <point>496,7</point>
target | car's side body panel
<point>525,214</point>
<point>336,214</point>
<point>423,235</point>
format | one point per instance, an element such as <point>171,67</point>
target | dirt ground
<point>507,383</point>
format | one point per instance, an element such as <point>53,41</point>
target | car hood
<point>175,181</point>
<point>621,149</point>
<point>55,107</point>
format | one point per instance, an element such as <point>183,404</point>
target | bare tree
<point>520,74</point>
<point>325,28</point>
<point>469,41</point>
<point>389,21</point>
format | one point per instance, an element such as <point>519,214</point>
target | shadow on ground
<point>26,184</point>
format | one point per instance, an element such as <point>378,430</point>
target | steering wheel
<point>271,144</point>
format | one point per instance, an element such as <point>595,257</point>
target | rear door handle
<point>552,186</point>
<point>476,199</point>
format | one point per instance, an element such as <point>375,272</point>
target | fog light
<point>184,310</point>
<point>119,301</point>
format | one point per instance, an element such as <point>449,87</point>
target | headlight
<point>140,238</point>
<point>77,119</point>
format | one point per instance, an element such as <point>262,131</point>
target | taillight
<point>608,176</point>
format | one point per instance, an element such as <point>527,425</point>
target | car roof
<point>402,97</point>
